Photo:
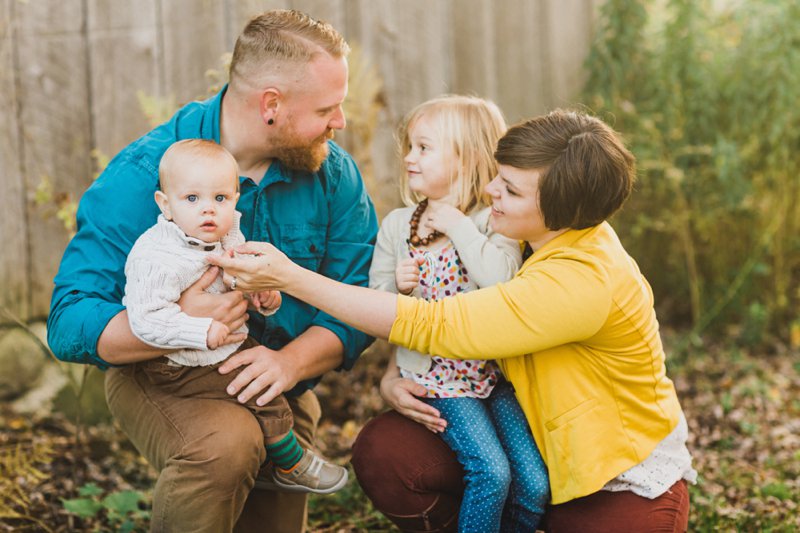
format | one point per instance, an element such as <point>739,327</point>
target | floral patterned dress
<point>442,275</point>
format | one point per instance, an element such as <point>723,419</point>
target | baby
<point>199,188</point>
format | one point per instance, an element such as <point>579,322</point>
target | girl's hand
<point>442,216</point>
<point>406,276</point>
<point>401,394</point>
<point>267,302</point>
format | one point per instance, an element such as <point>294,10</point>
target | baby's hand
<point>267,302</point>
<point>406,276</point>
<point>442,216</point>
<point>217,332</point>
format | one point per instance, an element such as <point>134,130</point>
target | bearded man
<point>299,191</point>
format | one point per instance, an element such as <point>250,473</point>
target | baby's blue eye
<point>220,198</point>
<point>192,197</point>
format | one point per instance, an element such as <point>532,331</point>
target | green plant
<point>121,510</point>
<point>706,97</point>
<point>156,109</point>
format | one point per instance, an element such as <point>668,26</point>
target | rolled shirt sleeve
<point>90,282</point>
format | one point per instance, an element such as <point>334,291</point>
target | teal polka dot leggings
<point>506,479</point>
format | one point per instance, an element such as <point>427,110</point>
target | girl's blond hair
<point>469,127</point>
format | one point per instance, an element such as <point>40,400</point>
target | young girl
<point>438,248</point>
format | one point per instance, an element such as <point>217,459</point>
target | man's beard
<point>307,157</point>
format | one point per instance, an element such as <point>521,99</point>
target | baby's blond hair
<point>177,155</point>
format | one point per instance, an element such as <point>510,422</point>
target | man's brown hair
<point>282,36</point>
<point>586,171</point>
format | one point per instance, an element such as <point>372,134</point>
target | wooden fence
<point>70,71</point>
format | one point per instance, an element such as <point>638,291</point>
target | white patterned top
<point>669,462</point>
<point>442,274</point>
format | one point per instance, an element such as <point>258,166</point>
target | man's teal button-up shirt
<point>323,221</point>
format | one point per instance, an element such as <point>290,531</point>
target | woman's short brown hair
<point>586,171</point>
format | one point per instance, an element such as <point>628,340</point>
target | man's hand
<point>229,308</point>
<point>401,394</point>
<point>267,370</point>
<point>406,275</point>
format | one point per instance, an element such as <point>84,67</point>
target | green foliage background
<point>706,97</point>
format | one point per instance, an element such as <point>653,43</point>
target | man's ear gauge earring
<point>270,122</point>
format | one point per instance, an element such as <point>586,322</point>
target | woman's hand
<point>442,216</point>
<point>229,308</point>
<point>260,266</point>
<point>401,394</point>
<point>255,266</point>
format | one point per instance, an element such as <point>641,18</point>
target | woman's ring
<point>233,283</point>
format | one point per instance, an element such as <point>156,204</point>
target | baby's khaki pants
<point>208,453</point>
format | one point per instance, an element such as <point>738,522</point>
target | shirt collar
<point>193,243</point>
<point>209,129</point>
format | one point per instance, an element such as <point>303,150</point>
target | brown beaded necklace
<point>415,239</point>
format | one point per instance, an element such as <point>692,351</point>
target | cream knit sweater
<point>161,265</point>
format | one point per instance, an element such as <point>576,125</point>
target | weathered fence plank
<point>568,46</point>
<point>519,58</point>
<point>474,49</point>
<point>14,261</point>
<point>123,61</point>
<point>238,12</point>
<point>331,11</point>
<point>55,124</point>
<point>193,33</point>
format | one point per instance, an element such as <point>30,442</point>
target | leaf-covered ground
<point>743,410</point>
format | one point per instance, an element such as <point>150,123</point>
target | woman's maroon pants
<point>413,478</point>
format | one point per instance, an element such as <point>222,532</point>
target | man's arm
<point>118,345</point>
<point>88,291</point>
<point>351,237</point>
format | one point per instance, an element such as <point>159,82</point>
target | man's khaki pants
<point>208,453</point>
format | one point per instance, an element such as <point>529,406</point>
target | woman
<point>574,331</point>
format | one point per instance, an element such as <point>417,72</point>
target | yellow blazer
<point>577,336</point>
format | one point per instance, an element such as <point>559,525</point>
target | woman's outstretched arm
<point>259,266</point>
